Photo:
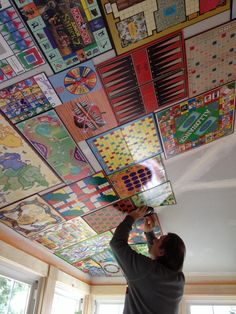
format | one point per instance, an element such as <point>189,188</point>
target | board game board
<point>18,52</point>
<point>88,266</point>
<point>86,110</point>
<point>104,219</point>
<point>28,98</point>
<point>23,173</point>
<point>49,136</point>
<point>30,216</point>
<point>86,195</point>
<point>198,121</point>
<point>147,78</point>
<point>126,145</point>
<point>211,58</point>
<point>65,234</point>
<point>135,23</point>
<point>68,32</point>
<point>85,249</point>
<point>160,195</point>
<point>139,177</point>
<point>108,263</point>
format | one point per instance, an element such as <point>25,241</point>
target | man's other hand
<point>138,213</point>
<point>150,222</point>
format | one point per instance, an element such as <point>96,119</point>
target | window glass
<point>14,296</point>
<point>106,308</point>
<point>212,309</point>
<point>66,302</point>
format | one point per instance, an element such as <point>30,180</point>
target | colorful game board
<point>137,235</point>
<point>86,110</point>
<point>135,23</point>
<point>68,32</point>
<point>88,266</point>
<point>108,263</point>
<point>18,52</point>
<point>211,58</point>
<point>49,136</point>
<point>140,177</point>
<point>104,219</point>
<point>147,78</point>
<point>160,195</point>
<point>141,249</point>
<point>198,121</point>
<point>22,172</point>
<point>29,216</point>
<point>63,235</point>
<point>86,195</point>
<point>85,249</point>
<point>28,98</point>
<point>125,205</point>
<point>126,145</point>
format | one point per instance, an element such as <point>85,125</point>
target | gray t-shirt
<point>152,288</point>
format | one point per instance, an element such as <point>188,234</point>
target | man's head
<point>169,250</point>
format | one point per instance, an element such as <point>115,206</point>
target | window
<point>14,296</point>
<point>212,309</point>
<point>66,301</point>
<point>109,306</point>
<point>19,289</point>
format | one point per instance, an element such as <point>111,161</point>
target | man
<point>156,284</point>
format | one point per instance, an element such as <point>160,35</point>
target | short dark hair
<point>174,252</point>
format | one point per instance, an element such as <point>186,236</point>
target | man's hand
<point>138,213</point>
<point>150,222</point>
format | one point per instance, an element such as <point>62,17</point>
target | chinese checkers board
<point>85,110</point>
<point>18,52</point>
<point>211,58</point>
<point>68,32</point>
<point>147,78</point>
<point>135,23</point>
<point>198,121</point>
<point>28,98</point>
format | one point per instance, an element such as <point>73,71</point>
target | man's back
<point>157,292</point>
<point>152,287</point>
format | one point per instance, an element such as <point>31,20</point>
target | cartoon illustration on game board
<point>134,23</point>
<point>29,216</point>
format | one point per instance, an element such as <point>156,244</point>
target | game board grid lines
<point>117,149</point>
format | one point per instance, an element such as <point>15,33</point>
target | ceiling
<point>203,183</point>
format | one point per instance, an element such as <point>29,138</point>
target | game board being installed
<point>135,23</point>
<point>23,172</point>
<point>28,98</point>
<point>49,136</point>
<point>68,32</point>
<point>139,177</point>
<point>147,78</point>
<point>85,110</point>
<point>18,53</point>
<point>211,58</point>
<point>198,121</point>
